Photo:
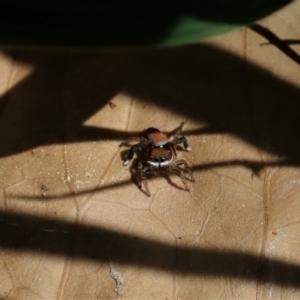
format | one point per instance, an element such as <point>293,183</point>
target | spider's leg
<point>180,172</point>
<point>134,138</point>
<point>179,130</point>
<point>182,140</point>
<point>137,147</point>
<point>176,168</point>
<point>178,139</point>
<point>143,170</point>
<point>186,168</point>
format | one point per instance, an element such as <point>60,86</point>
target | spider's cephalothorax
<point>161,154</point>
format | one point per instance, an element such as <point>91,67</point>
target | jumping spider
<point>161,154</point>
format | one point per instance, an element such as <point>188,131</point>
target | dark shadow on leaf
<point>255,167</point>
<point>282,45</point>
<point>85,242</point>
<point>199,82</point>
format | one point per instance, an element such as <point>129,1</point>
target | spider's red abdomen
<point>157,138</point>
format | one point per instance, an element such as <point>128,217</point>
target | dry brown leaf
<point>74,224</point>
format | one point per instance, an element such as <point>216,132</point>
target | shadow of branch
<point>61,238</point>
<point>254,166</point>
<point>181,80</point>
<point>273,39</point>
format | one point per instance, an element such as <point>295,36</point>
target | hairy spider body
<point>161,155</point>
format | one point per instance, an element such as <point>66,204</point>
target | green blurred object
<point>65,23</point>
